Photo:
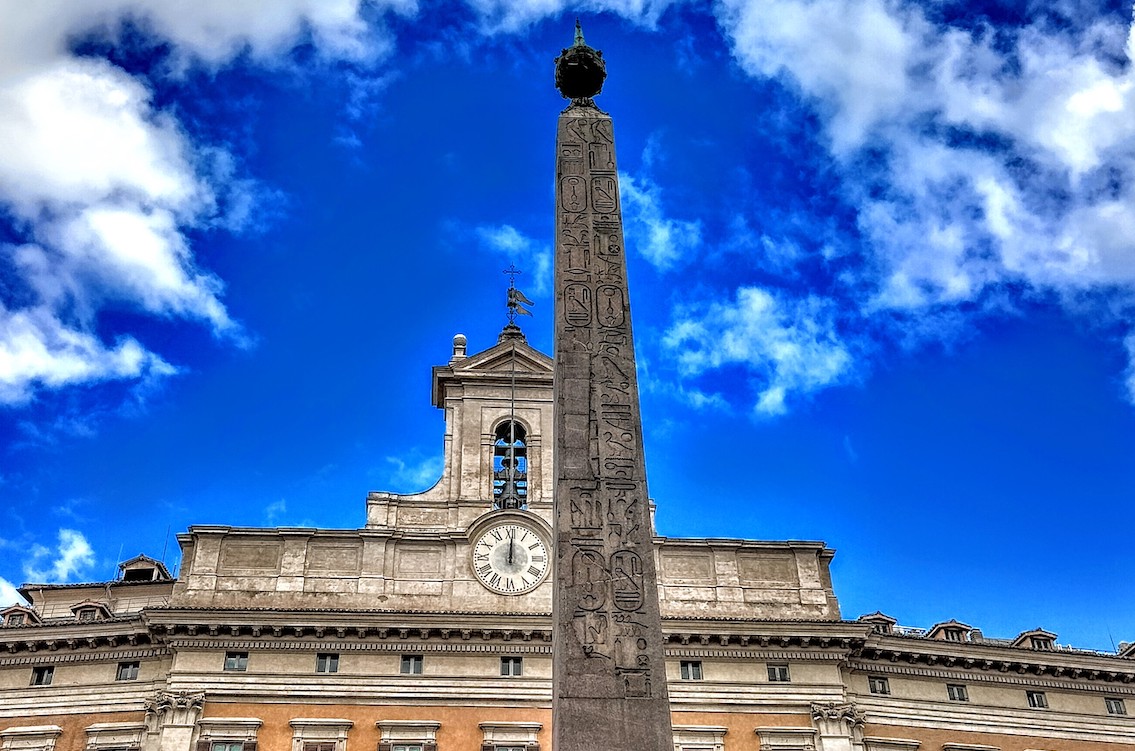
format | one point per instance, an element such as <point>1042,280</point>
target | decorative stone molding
<point>408,731</point>
<point>241,730</point>
<point>30,738</point>
<point>874,743</point>
<point>786,739</point>
<point>699,737</point>
<point>948,746</point>
<point>316,730</point>
<point>169,709</point>
<point>115,735</point>
<point>510,734</point>
<point>832,712</point>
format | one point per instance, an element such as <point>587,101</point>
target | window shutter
<point>203,745</point>
<point>249,746</point>
<point>429,747</point>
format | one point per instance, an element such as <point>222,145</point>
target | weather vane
<point>516,299</point>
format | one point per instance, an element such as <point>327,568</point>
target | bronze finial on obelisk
<point>608,674</point>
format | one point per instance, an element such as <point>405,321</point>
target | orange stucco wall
<point>74,737</point>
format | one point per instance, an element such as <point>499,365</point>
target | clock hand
<point>511,537</point>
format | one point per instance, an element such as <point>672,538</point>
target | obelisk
<point>609,673</point>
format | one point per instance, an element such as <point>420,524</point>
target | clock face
<point>510,559</point>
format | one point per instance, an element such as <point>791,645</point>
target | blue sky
<point>882,258</point>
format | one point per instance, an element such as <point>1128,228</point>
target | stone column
<point>839,726</point>
<point>609,674</point>
<point>171,719</point>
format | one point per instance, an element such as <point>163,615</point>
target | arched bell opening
<point>510,466</point>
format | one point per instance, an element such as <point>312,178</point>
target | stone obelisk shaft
<point>609,674</point>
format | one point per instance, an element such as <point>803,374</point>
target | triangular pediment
<point>506,357</point>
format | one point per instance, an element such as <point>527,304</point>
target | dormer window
<point>953,634</point>
<point>139,575</point>
<point>1041,643</point>
<point>510,466</point>
<point>89,611</point>
<point>86,615</point>
<point>16,619</point>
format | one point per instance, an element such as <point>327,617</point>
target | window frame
<point>1115,706</point>
<point>327,663</point>
<point>691,670</point>
<point>236,662</point>
<point>42,675</point>
<point>879,685</point>
<point>1037,699</point>
<point>512,666</point>
<point>128,670</point>
<point>957,692</point>
<point>778,672</point>
<point>16,619</point>
<point>412,664</point>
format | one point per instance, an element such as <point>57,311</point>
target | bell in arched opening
<point>510,466</point>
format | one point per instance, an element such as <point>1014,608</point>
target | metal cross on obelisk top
<point>608,674</point>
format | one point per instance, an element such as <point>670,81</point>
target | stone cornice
<point>975,675</point>
<point>978,657</point>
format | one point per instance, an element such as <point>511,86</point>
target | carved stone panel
<point>609,674</point>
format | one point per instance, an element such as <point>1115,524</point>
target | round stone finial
<point>580,70</point>
<point>459,343</point>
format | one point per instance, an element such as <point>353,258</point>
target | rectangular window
<point>400,747</point>
<point>327,663</point>
<point>127,671</point>
<point>1037,699</point>
<point>957,692</point>
<point>691,670</point>
<point>226,746</point>
<point>1115,706</point>
<point>236,660</point>
<point>879,685</point>
<point>87,615</point>
<point>512,666</point>
<point>16,619</point>
<point>778,673</point>
<point>320,746</point>
<point>43,676</point>
<point>412,665</point>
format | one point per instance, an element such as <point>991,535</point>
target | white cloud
<point>8,594</point>
<point>274,511</point>
<point>414,476</point>
<point>792,345</point>
<point>976,159</point>
<point>105,186</point>
<point>533,258</point>
<point>72,557</point>
<point>36,348</point>
<point>509,16</point>
<point>662,240</point>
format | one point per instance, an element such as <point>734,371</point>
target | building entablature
<point>993,658</point>
<point>55,635</point>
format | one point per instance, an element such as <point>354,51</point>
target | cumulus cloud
<point>71,558</point>
<point>532,257</point>
<point>978,160</point>
<point>792,345</point>
<point>8,594</point>
<point>661,239</point>
<point>102,186</point>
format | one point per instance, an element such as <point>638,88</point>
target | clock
<point>510,559</point>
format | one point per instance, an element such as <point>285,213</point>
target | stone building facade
<point>430,628</point>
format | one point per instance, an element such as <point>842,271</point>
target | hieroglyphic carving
<point>607,619</point>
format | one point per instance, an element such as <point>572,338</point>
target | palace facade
<point>429,628</point>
